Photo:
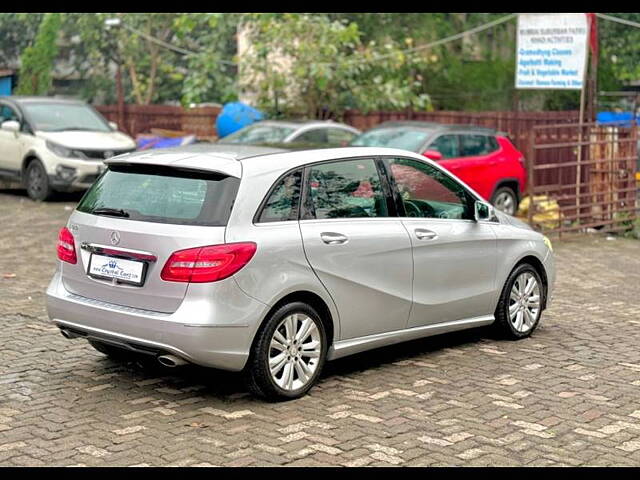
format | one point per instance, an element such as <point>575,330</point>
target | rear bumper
<point>207,342</point>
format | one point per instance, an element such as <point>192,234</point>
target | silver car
<point>273,263</point>
<point>309,133</point>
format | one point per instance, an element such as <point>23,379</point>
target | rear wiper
<point>116,212</point>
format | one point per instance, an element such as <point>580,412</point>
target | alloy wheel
<point>524,302</point>
<point>294,351</point>
<point>35,180</point>
<point>505,202</point>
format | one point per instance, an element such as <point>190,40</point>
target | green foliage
<point>37,60</point>
<point>210,74</point>
<point>17,31</point>
<point>308,65</point>
<point>327,73</point>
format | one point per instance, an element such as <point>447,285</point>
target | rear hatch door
<point>131,221</point>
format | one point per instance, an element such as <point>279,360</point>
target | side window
<point>474,145</point>
<point>339,137</point>
<point>284,201</point>
<point>447,145</point>
<point>7,113</point>
<point>317,135</point>
<point>493,144</point>
<point>427,192</point>
<point>346,189</point>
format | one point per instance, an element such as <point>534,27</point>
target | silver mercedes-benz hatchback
<point>273,263</point>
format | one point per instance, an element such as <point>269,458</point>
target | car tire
<point>505,199</point>
<point>265,377</point>
<point>37,182</point>
<point>519,310</point>
<point>112,352</point>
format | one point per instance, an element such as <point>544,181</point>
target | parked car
<point>52,145</point>
<point>273,263</point>
<point>483,158</point>
<point>279,133</point>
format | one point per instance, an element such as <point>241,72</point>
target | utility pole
<point>592,83</point>
<point>120,93</point>
<point>116,22</point>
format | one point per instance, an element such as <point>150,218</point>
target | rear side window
<point>283,203</point>
<point>339,137</point>
<point>162,195</point>
<point>473,145</point>
<point>346,189</point>
<point>317,135</point>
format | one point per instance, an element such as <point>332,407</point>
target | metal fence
<point>582,176</point>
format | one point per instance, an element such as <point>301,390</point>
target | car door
<point>480,165</point>
<point>10,143</point>
<point>356,246</point>
<point>454,256</point>
<point>340,137</point>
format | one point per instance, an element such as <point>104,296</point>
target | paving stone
<point>565,396</point>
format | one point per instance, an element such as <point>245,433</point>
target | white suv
<point>51,144</point>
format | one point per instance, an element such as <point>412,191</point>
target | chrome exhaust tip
<point>171,361</point>
<point>67,334</point>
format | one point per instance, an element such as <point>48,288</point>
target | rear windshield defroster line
<point>162,194</point>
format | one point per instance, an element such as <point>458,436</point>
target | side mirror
<point>11,126</point>
<point>483,211</point>
<point>433,155</point>
<point>113,125</point>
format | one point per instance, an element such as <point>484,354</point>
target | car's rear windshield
<point>404,138</point>
<point>163,195</point>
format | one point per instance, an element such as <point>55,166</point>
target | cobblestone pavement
<point>570,395</point>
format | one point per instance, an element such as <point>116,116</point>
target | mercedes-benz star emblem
<point>115,238</point>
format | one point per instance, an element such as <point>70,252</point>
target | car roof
<point>256,160</point>
<point>302,123</point>
<point>435,126</point>
<point>24,99</point>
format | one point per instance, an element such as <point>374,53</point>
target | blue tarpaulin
<point>623,119</point>
<point>234,116</point>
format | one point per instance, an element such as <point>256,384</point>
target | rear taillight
<point>67,246</point>
<point>521,160</point>
<point>207,264</point>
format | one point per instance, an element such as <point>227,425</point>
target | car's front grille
<point>104,154</point>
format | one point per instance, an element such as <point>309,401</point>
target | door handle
<point>332,238</point>
<point>424,234</point>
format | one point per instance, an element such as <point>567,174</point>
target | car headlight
<point>547,242</point>
<point>65,152</point>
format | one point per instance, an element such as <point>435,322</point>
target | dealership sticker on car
<point>128,271</point>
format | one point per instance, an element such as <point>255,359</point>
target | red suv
<point>484,159</point>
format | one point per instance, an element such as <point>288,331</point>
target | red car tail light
<point>66,246</point>
<point>207,264</point>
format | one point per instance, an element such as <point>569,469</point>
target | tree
<point>308,65</point>
<point>37,60</point>
<point>17,31</point>
<point>153,73</point>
